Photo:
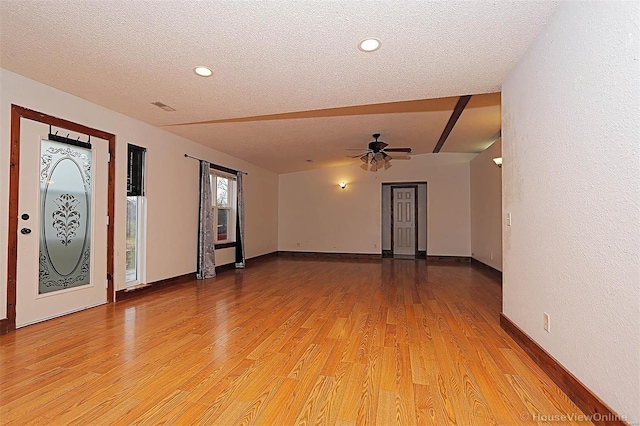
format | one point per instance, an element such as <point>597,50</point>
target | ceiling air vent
<point>163,106</point>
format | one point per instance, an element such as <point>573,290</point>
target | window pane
<point>223,224</point>
<point>212,181</point>
<point>132,239</point>
<point>223,192</point>
<point>135,170</point>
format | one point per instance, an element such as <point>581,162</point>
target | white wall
<point>172,184</point>
<point>315,214</point>
<point>486,207</point>
<point>571,149</point>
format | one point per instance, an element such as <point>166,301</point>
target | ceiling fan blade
<point>356,149</point>
<point>377,145</point>
<point>381,145</point>
<point>398,150</point>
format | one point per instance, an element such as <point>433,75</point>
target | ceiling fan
<point>376,155</point>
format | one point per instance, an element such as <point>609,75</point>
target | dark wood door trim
<point>455,115</point>
<point>17,113</point>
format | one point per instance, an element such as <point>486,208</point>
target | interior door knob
<point>25,231</point>
<point>25,216</point>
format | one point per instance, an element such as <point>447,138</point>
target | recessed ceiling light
<point>369,44</point>
<point>203,71</point>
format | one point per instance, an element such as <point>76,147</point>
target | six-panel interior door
<point>404,221</point>
<point>62,225</point>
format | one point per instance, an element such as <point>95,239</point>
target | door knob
<point>25,217</point>
<point>25,231</point>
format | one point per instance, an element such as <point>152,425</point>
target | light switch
<point>508,219</point>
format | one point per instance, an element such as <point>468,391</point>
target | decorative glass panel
<point>65,213</point>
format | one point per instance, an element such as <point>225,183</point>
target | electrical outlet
<point>375,246</point>
<point>491,256</point>
<point>547,323</point>
<point>298,244</point>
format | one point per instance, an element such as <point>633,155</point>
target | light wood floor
<point>283,342</point>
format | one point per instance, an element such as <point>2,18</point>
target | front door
<point>404,221</point>
<point>62,224</point>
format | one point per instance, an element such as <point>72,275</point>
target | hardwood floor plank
<point>286,341</point>
<point>318,407</point>
<point>277,403</point>
<point>368,402</point>
<point>351,395</point>
<point>425,410</point>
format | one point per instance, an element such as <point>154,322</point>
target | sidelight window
<point>135,214</point>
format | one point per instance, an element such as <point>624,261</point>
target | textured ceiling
<point>284,144</point>
<point>274,58</point>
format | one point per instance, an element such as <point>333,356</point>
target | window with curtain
<point>223,199</point>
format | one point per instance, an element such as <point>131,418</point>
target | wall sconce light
<point>343,185</point>
<point>498,161</point>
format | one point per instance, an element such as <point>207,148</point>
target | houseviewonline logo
<point>571,417</point>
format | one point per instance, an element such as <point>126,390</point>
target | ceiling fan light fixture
<point>370,44</point>
<point>376,156</point>
<point>203,71</point>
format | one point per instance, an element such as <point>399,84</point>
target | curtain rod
<point>217,166</point>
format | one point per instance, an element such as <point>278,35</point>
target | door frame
<point>17,113</point>
<point>391,185</point>
<point>415,215</point>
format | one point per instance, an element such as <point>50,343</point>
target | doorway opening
<point>404,220</point>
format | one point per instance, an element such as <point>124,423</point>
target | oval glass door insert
<point>65,216</point>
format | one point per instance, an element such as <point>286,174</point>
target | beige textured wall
<point>316,215</point>
<point>172,183</point>
<point>570,143</point>
<point>486,207</point>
